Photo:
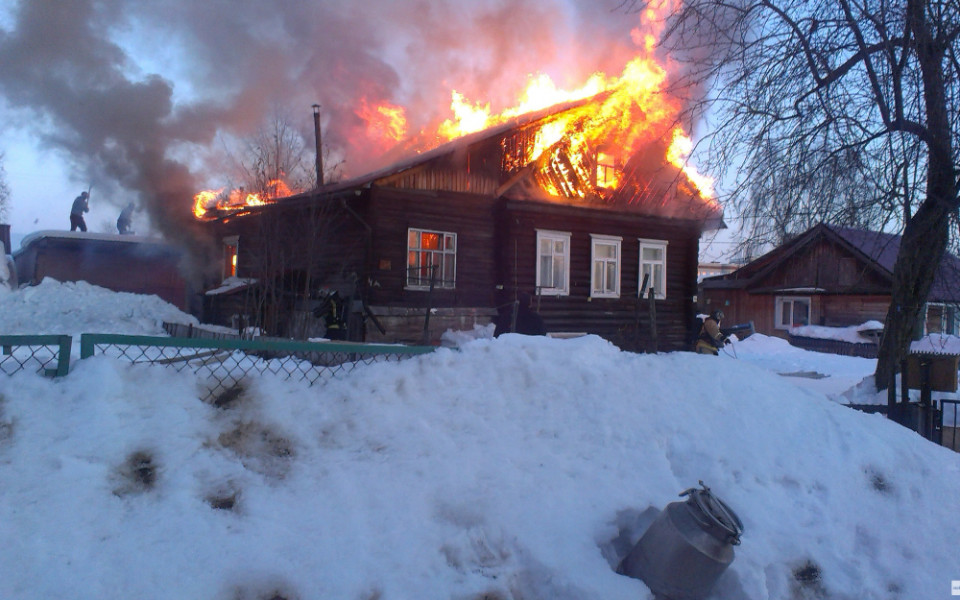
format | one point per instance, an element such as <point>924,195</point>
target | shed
<point>123,263</point>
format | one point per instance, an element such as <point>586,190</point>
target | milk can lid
<point>716,517</point>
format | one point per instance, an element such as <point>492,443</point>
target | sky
<point>146,101</point>
<point>508,468</point>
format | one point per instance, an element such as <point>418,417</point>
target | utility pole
<point>316,135</point>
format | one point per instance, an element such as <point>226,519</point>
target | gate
<point>950,424</point>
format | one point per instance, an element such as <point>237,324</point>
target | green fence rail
<point>226,362</point>
<point>47,354</point>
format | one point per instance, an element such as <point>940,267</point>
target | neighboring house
<point>832,276</point>
<point>712,269</point>
<point>123,263</point>
<point>464,228</point>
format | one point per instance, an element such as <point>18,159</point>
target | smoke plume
<point>137,94</point>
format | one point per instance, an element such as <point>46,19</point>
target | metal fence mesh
<point>47,354</point>
<point>225,363</point>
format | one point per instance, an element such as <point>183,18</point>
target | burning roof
<point>615,143</point>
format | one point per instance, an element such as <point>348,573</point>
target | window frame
<point>778,310</point>
<point>412,282</point>
<point>660,245</point>
<point>597,239</point>
<point>555,236</point>
<point>231,253</point>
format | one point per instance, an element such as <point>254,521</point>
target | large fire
<point>232,201</point>
<point>576,152</point>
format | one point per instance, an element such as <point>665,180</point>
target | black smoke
<point>136,94</point>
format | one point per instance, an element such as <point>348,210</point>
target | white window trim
<point>440,284</point>
<point>659,294</point>
<point>564,236</point>
<point>778,309</point>
<point>608,240</point>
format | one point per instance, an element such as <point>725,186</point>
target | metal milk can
<point>686,548</point>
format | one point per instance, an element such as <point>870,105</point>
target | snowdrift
<point>510,468</point>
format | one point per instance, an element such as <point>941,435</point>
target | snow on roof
<point>936,343</point>
<point>231,284</point>
<point>53,234</point>
<point>853,333</point>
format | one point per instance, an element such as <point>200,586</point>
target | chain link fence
<point>225,363</point>
<point>47,354</point>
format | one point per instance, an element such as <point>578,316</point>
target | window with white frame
<point>792,311</point>
<point>431,254</point>
<point>605,258</point>
<point>553,263</point>
<point>653,264</point>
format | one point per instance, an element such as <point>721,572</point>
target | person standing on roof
<point>80,205</point>
<point>126,216</point>
<point>711,338</point>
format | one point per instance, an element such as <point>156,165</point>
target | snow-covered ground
<point>511,468</point>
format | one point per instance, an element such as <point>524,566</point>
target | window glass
<point>553,262</point>
<point>792,312</point>
<point>801,313</point>
<point>653,264</point>
<point>605,282</point>
<point>431,256</point>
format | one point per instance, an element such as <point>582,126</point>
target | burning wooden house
<point>570,204</point>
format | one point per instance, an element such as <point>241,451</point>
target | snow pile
<point>455,339</point>
<point>829,374</point>
<point>518,467</point>
<point>73,308</point>
<point>511,468</point>
<point>852,334</point>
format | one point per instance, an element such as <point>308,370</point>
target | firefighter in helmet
<point>711,339</point>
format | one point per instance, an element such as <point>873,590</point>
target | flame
<point>222,201</point>
<point>628,113</point>
<point>679,154</point>
<point>468,118</point>
<point>578,152</point>
<point>387,122</point>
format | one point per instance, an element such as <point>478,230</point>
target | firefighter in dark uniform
<point>332,313</point>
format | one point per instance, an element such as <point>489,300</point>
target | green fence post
<point>87,346</point>
<point>63,357</point>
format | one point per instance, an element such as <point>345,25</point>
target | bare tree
<point>841,110</point>
<point>4,193</point>
<point>277,151</point>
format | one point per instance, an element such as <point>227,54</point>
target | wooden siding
<point>277,247</point>
<point>391,212</point>
<point>740,306</point>
<point>496,254</point>
<point>443,180</point>
<point>844,290</point>
<point>826,266</point>
<point>612,318</point>
<point>290,240</point>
